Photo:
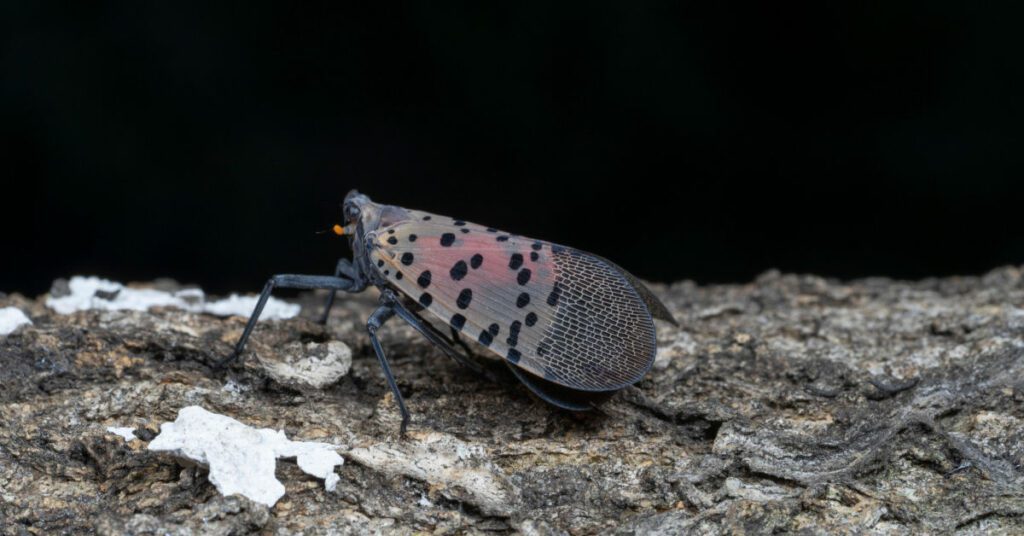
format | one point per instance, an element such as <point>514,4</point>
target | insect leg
<point>558,395</point>
<point>435,337</point>
<point>457,339</point>
<point>343,269</point>
<point>285,281</point>
<point>377,319</point>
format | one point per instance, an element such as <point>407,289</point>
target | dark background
<point>704,140</point>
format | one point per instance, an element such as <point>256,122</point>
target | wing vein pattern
<point>562,314</point>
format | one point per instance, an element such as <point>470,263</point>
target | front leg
<point>346,269</point>
<point>306,282</point>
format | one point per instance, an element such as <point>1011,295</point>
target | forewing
<point>562,314</point>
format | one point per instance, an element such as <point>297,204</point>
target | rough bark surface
<point>792,403</point>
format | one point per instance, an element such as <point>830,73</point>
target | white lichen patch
<point>127,432</point>
<point>242,459</point>
<point>235,305</point>
<point>311,365</point>
<point>11,318</point>
<point>86,293</point>
<point>458,470</point>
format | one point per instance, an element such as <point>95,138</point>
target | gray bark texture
<point>789,404</point>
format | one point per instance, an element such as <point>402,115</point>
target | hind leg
<point>437,338</point>
<point>558,395</point>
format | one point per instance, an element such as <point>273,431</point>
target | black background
<point>705,140</point>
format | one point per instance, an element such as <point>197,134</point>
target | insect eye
<point>351,212</point>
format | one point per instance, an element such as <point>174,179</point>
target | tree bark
<point>792,403</point>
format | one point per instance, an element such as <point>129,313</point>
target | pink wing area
<point>561,314</point>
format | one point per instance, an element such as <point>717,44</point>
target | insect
<point>572,326</point>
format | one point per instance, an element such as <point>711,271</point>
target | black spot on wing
<point>523,300</point>
<point>537,246</point>
<point>502,238</point>
<point>514,355</point>
<point>531,319</point>
<point>459,270</point>
<point>407,258</point>
<point>515,261</point>
<point>457,321</point>
<point>476,261</point>
<point>534,256</point>
<point>485,338</point>
<point>424,279</point>
<point>426,299</point>
<point>412,238</point>
<point>447,239</point>
<point>464,299</point>
<point>392,240</point>
<point>513,333</point>
<point>524,276</point>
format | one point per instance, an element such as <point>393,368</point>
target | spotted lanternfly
<point>572,326</point>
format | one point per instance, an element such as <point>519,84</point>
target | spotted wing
<point>564,315</point>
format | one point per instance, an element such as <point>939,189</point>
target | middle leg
<point>344,269</point>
